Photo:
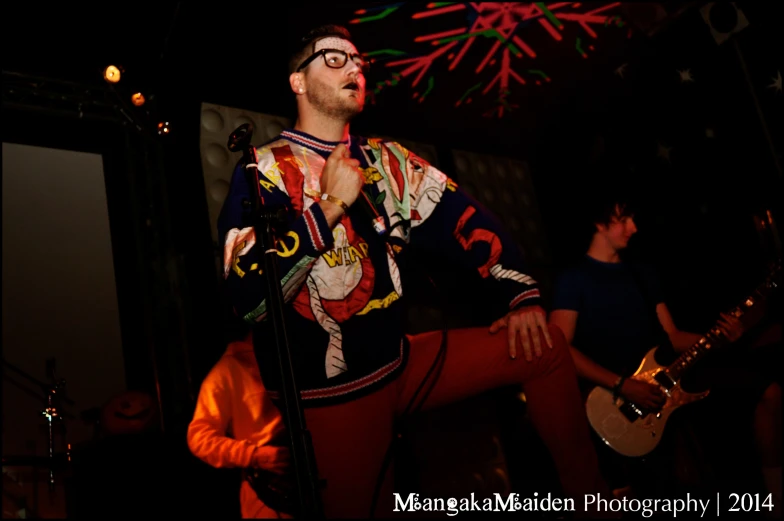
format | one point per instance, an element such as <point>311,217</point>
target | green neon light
<point>548,14</point>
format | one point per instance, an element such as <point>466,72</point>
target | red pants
<point>350,440</point>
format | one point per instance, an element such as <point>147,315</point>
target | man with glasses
<point>341,279</point>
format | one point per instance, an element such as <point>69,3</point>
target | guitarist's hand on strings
<point>643,394</point>
<point>523,326</point>
<point>731,327</point>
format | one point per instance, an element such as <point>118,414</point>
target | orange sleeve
<point>207,437</point>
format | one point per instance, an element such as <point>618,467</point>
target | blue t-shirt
<point>615,322</point>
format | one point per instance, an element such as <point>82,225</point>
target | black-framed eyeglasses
<point>336,59</point>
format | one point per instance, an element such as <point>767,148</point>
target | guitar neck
<point>715,338</point>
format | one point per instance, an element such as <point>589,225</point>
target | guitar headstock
<point>750,311</point>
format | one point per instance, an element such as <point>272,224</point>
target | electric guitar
<point>633,431</point>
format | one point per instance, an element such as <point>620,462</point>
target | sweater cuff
<point>530,297</point>
<point>247,455</point>
<point>319,232</point>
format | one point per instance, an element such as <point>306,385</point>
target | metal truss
<point>23,91</point>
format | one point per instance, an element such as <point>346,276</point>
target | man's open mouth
<point>351,86</point>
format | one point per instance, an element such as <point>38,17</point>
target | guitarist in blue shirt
<point>612,313</point>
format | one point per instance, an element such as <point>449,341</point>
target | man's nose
<point>352,67</point>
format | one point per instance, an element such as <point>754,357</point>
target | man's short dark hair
<point>605,209</point>
<point>305,47</point>
<point>609,196</point>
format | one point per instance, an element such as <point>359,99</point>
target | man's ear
<point>297,82</point>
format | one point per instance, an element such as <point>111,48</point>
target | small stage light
<point>111,74</point>
<point>163,128</point>
<point>138,99</point>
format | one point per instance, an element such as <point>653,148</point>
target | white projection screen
<point>59,301</point>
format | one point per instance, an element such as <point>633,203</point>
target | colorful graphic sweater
<point>342,286</point>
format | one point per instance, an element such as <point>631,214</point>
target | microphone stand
<point>264,219</point>
<point>55,394</point>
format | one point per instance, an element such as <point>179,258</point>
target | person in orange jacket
<point>235,424</point>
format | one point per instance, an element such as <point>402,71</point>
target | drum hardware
<point>55,396</point>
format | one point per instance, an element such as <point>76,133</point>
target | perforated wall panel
<point>505,187</point>
<point>217,124</point>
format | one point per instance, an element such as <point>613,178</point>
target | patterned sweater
<point>342,287</point>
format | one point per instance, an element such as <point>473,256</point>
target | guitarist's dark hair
<point>609,207</point>
<point>609,195</point>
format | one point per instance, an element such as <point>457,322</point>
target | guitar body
<point>624,427</point>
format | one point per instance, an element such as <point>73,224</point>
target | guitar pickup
<point>663,379</point>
